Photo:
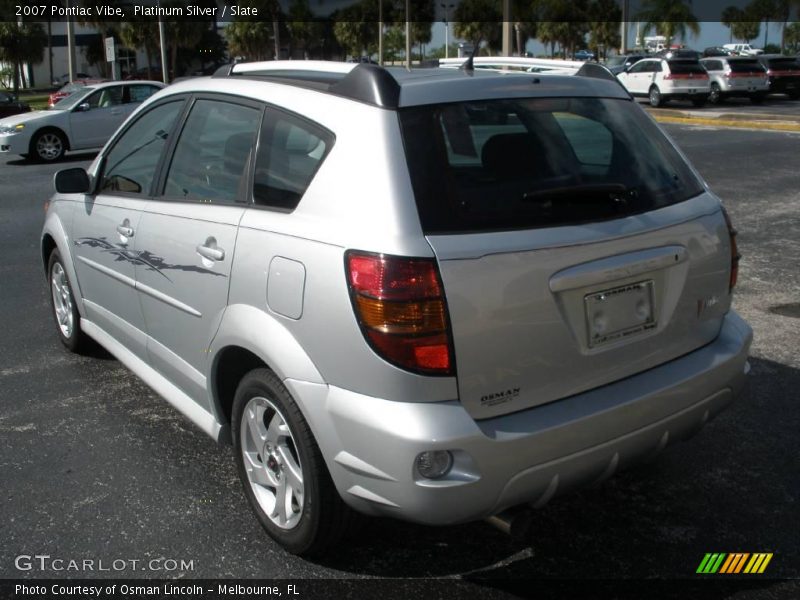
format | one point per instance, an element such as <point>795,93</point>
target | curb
<point>730,123</point>
<point>773,122</point>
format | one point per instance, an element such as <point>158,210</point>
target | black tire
<point>715,96</point>
<point>654,95</point>
<point>699,102</point>
<point>48,145</point>
<point>324,518</point>
<point>66,316</point>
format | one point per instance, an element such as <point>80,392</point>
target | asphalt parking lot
<point>94,465</point>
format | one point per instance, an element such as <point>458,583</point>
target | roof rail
<point>362,82</point>
<point>517,63</point>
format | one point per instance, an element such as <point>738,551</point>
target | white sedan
<point>83,120</point>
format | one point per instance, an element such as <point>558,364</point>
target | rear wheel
<point>655,97</point>
<point>282,469</point>
<point>715,96</point>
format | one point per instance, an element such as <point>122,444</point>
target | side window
<point>289,153</point>
<point>591,141</point>
<point>106,98</point>
<point>213,152</point>
<point>131,164</point>
<point>140,93</point>
<point>639,67</point>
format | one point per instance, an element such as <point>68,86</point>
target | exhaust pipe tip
<point>515,522</point>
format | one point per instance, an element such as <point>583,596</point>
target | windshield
<point>73,99</point>
<point>520,164</point>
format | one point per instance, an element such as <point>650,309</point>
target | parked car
<point>11,106</point>
<point>64,79</point>
<point>617,64</point>
<point>682,53</point>
<point>387,307</point>
<point>661,80</point>
<point>71,88</point>
<point>718,51</point>
<point>736,76</point>
<point>783,73</point>
<point>743,49</point>
<point>85,119</point>
<point>584,55</point>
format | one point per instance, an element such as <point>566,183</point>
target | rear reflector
<point>735,256</point>
<point>399,304</point>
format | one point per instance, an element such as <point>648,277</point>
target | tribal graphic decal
<point>141,257</point>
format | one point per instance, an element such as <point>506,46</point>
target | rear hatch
<point>687,76</point>
<point>576,247</point>
<point>746,74</point>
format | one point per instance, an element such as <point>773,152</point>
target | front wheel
<point>655,97</point>
<point>62,302</point>
<point>281,467</point>
<point>48,146</point>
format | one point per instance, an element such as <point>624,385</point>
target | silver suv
<point>735,76</point>
<point>435,295</point>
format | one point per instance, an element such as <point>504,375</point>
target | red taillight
<point>735,256</point>
<point>399,304</point>
<point>686,76</point>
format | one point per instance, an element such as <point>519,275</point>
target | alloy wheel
<point>62,300</point>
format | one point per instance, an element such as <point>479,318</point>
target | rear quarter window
<point>686,67</point>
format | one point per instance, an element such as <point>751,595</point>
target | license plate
<point>619,312</point>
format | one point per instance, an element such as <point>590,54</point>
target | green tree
<point>730,16</point>
<point>746,30</point>
<point>604,26</point>
<point>479,21</point>
<point>792,37</point>
<point>249,39</point>
<point>670,18</point>
<point>304,31</point>
<point>141,35</point>
<point>355,28</point>
<point>21,44</point>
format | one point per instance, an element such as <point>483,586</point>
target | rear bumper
<point>526,457</point>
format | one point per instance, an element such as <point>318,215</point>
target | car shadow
<point>723,491</point>
<point>67,158</point>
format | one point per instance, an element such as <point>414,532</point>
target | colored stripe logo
<point>734,563</point>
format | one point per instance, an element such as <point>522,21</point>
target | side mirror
<point>72,181</point>
<point>83,107</point>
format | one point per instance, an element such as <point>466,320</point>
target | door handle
<point>125,231</point>
<point>210,250</point>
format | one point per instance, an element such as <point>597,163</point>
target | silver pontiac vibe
<point>435,295</point>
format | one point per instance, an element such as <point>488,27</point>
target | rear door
<point>188,235</point>
<point>575,245</point>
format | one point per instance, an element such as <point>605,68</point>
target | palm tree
<point>669,18</point>
<point>249,39</point>
<point>141,35</point>
<point>730,16</point>
<point>604,26</point>
<point>479,21</point>
<point>20,44</point>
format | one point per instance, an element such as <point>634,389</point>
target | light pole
<point>447,8</point>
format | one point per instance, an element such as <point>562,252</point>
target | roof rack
<point>517,63</point>
<point>363,82</point>
<point>375,85</point>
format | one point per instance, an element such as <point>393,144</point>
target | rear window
<point>684,67</point>
<point>783,64</point>
<point>528,163</point>
<point>746,66</point>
